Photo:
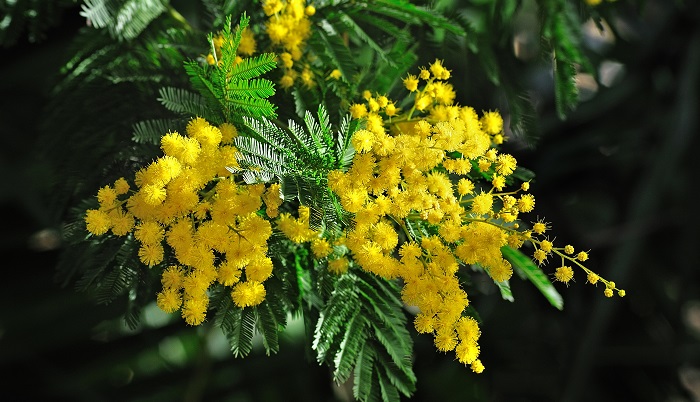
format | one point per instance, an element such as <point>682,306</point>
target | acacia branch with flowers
<point>376,205</point>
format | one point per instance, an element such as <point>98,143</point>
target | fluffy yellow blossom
<point>336,74</point>
<point>358,111</point>
<point>194,310</point>
<point>151,254</point>
<point>247,294</point>
<point>505,164</point>
<point>247,44</point>
<point>411,83</point>
<point>492,122</point>
<point>121,186</point>
<point>564,274</point>
<point>106,196</point>
<point>97,222</point>
<point>122,222</point>
<point>482,204</point>
<point>539,227</point>
<point>169,300</point>
<point>338,266</point>
<point>172,277</point>
<point>526,203</point>
<point>321,248</point>
<point>592,278</point>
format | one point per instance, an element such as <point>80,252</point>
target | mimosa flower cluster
<point>420,173</point>
<point>188,212</point>
<point>288,28</point>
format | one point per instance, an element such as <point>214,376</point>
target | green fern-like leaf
<point>329,46</point>
<point>150,131</point>
<point>252,67</point>
<point>233,89</point>
<point>351,345</point>
<point>405,11</point>
<point>238,324</point>
<point>123,19</point>
<point>362,329</point>
<point>183,102</point>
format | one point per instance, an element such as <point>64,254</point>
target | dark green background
<point>619,177</point>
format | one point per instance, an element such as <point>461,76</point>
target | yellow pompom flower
<point>362,140</point>
<point>358,110</point>
<point>229,273</point>
<point>307,78</point>
<point>97,222</point>
<point>546,246</point>
<point>321,248</point>
<point>228,132</point>
<point>411,83</point>
<point>445,340</point>
<point>410,250</point>
<point>247,44</point>
<point>153,194</point>
<point>424,323</point>
<point>439,70</point>
<point>385,235</point>
<point>477,366</point>
<point>122,223</point>
<point>106,196</point>
<point>121,186</point>
<point>582,256</point>
<point>492,123</point>
<point>539,227</point>
<point>151,254</point>
<point>484,164</point>
<point>526,203</point>
<point>467,352</point>
<point>169,300</point>
<point>391,110</point>
<point>194,310</point>
<point>540,256</point>
<point>564,274</point>
<point>338,266</point>
<point>465,186</point>
<point>569,249</point>
<point>335,74</point>
<point>149,232</point>
<point>247,294</point>
<point>482,204</point>
<point>172,277</point>
<point>287,81</point>
<point>592,278</point>
<point>259,269</point>
<point>498,182</point>
<point>271,7</point>
<point>505,164</point>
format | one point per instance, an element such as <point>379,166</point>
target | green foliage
<point>230,87</point>
<point>526,269</point>
<point>561,29</point>
<point>362,333</point>
<point>33,16</point>
<point>124,20</point>
<point>299,158</point>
